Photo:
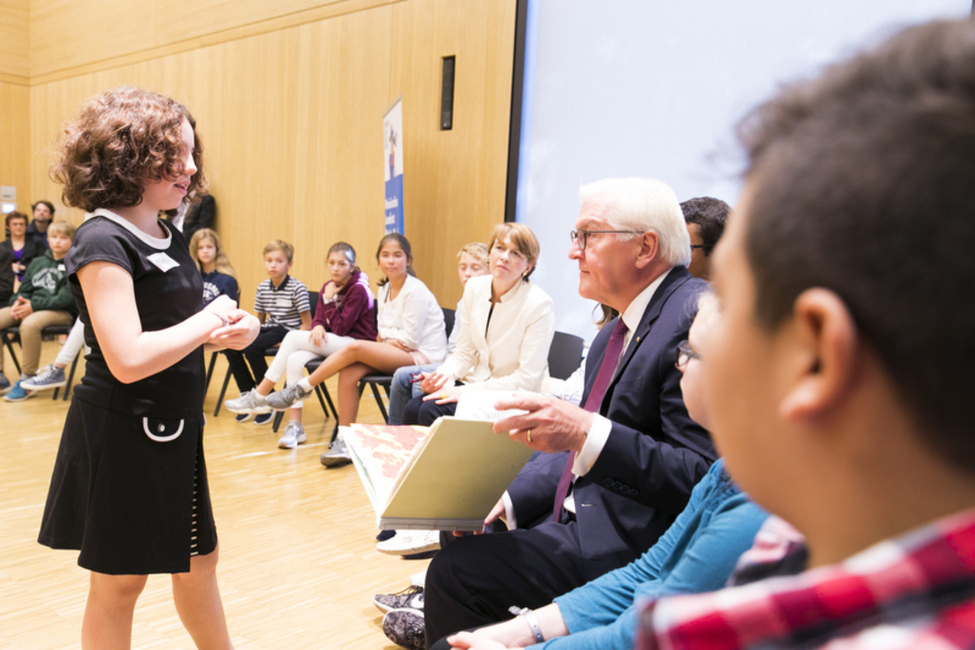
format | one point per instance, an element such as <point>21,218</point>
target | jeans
<point>403,389</point>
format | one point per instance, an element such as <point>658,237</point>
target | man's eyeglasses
<point>685,354</point>
<point>580,236</point>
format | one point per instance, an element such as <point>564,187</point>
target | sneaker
<point>249,402</point>
<point>48,377</point>
<point>294,435</point>
<point>283,399</point>
<point>337,455</point>
<point>409,598</point>
<point>263,418</point>
<point>405,628</point>
<point>4,382</point>
<point>243,417</point>
<point>17,393</point>
<point>410,542</point>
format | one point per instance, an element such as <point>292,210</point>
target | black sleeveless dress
<point>129,488</point>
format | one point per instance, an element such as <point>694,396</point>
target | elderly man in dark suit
<point>610,477</point>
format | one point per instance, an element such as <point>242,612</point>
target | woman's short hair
<point>122,139</point>
<point>522,237</point>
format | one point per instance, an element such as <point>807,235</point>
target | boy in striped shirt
<point>282,305</point>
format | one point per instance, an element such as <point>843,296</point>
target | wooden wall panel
<point>15,142</point>
<point>455,180</point>
<point>69,37</point>
<point>292,125</point>
<point>14,41</point>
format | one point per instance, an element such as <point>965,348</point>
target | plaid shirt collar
<point>914,591</point>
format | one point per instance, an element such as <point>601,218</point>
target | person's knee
<point>202,567</point>
<point>117,588</point>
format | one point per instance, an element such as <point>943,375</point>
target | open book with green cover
<point>445,477</point>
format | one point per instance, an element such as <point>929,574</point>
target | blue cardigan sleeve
<point>697,554</point>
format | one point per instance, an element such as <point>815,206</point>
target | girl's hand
<point>331,289</point>
<point>240,333</point>
<point>445,395</point>
<point>396,343</point>
<point>432,381</point>
<point>318,336</point>
<point>223,305</point>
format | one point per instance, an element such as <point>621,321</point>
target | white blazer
<point>513,353</point>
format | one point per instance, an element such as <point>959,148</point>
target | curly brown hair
<point>123,139</point>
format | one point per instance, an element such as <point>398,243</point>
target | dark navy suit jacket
<point>655,453</point>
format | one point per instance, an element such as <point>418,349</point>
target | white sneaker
<point>410,542</point>
<point>249,402</point>
<point>294,435</point>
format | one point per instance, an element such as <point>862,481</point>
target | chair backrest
<point>564,355</point>
<point>313,302</point>
<point>448,320</point>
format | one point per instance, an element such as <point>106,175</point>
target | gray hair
<point>644,205</point>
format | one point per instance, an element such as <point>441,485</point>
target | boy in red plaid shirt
<point>842,367</point>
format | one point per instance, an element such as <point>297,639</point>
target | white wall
<point>654,88</point>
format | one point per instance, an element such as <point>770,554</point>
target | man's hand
<point>551,425</point>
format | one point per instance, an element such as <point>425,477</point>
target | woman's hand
<point>471,641</point>
<point>318,336</point>
<point>446,395</point>
<point>240,333</point>
<point>431,382</point>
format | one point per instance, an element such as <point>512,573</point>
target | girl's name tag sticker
<point>162,261</point>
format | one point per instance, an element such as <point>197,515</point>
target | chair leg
<point>278,417</point>
<point>213,364</point>
<point>322,391</point>
<point>223,393</point>
<point>379,401</point>
<point>74,368</point>
<point>9,344</point>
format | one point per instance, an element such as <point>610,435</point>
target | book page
<point>381,452</point>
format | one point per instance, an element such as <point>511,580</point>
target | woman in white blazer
<point>506,330</point>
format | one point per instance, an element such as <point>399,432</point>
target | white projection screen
<point>654,88</point>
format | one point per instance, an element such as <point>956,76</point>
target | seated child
<point>346,311</point>
<point>218,275</point>
<point>282,305</point>
<point>44,299</point>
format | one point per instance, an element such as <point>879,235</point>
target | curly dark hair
<point>123,139</point>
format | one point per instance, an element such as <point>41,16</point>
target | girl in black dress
<point>129,488</point>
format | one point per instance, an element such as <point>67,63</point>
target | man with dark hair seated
<point>705,217</point>
<point>842,367</point>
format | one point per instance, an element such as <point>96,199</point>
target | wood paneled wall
<point>289,98</point>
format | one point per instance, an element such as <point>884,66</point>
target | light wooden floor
<point>298,567</point>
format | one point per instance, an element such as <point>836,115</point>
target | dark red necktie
<point>593,401</point>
